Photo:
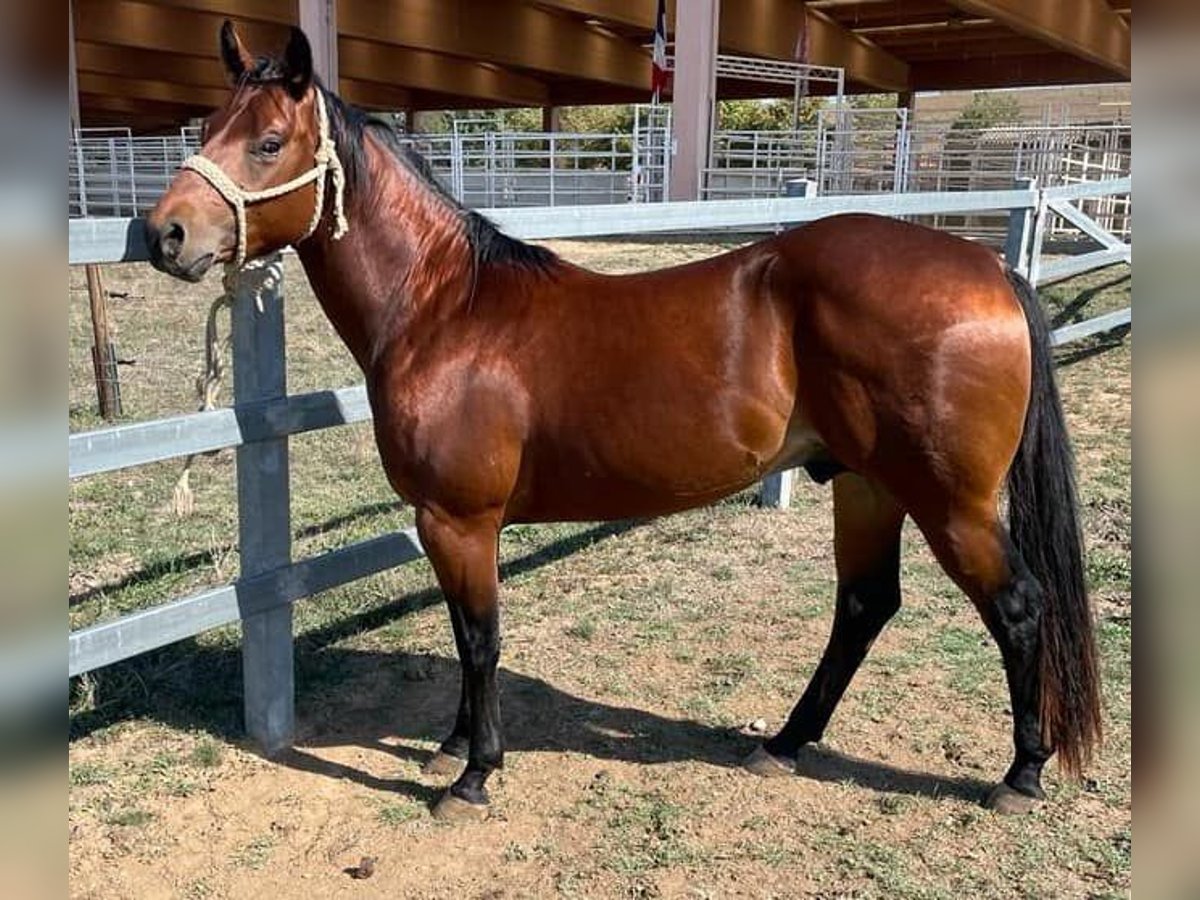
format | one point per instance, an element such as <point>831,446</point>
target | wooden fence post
<point>104,357</point>
<point>264,521</point>
<point>1019,242</point>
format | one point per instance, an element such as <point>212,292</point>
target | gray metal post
<point>264,527</point>
<point>1041,216</point>
<point>776,491</point>
<point>1020,230</point>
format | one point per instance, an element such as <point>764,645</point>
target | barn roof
<point>152,64</point>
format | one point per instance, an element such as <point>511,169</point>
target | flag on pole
<point>658,63</point>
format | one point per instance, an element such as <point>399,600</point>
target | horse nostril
<point>172,239</point>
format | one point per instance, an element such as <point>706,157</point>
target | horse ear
<point>298,64</point>
<point>233,52</point>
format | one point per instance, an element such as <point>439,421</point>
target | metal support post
<point>1020,231</point>
<point>264,526</point>
<point>776,491</point>
<point>695,79</point>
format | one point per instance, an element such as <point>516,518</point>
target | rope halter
<point>326,161</point>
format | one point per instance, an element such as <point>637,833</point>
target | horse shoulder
<point>450,426</point>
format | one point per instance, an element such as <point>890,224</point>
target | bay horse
<point>508,385</point>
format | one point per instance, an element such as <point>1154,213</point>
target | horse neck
<point>404,255</point>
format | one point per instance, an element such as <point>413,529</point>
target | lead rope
<point>208,385</point>
<point>256,278</point>
<point>264,275</point>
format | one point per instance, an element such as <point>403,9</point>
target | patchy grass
<point>635,655</point>
<point>207,753</point>
<point>129,818</point>
<point>256,853</point>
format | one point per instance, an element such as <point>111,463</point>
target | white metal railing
<point>877,151</point>
<point>845,151</point>
<point>117,174</point>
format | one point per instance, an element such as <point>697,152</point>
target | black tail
<point>1045,529</point>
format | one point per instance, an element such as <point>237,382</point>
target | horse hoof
<point>1007,802</point>
<point>454,809</point>
<point>442,765</point>
<point>763,764</point>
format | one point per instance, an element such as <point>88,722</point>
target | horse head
<point>258,183</point>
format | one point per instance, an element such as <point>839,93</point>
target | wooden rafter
<point>767,28</point>
<point>1088,29</point>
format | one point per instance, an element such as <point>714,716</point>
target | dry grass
<point>634,657</point>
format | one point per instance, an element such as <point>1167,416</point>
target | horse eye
<point>270,147</point>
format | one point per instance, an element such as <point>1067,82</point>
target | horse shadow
<point>403,703</point>
<point>542,718</point>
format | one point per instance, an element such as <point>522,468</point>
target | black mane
<point>349,125</point>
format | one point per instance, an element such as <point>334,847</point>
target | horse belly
<point>637,469</point>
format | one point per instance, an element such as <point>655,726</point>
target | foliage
<point>873,101</point>
<point>476,120</point>
<point>987,110</point>
<point>597,119</point>
<point>764,115</point>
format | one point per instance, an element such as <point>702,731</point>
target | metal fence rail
<point>263,417</point>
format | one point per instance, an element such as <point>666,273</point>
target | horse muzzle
<point>169,253</point>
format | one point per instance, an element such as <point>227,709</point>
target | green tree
<point>872,101</point>
<point>764,115</point>
<point>596,119</point>
<point>987,110</point>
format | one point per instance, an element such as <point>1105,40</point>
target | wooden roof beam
<point>124,23</point>
<point>156,65</point>
<point>1088,29</point>
<point>426,71</point>
<point>767,28</point>
<point>630,13</point>
<point>373,95</point>
<point>149,89</point>
<point>109,108</point>
<point>504,32</point>
<point>1009,71</point>
<point>185,40</point>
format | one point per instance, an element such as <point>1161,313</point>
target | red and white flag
<point>658,63</point>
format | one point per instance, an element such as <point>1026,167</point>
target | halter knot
<point>325,162</point>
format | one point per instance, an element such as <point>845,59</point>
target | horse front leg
<point>463,551</point>
<point>452,753</point>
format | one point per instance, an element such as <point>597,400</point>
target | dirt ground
<point>641,662</point>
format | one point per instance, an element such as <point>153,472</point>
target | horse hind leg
<point>867,525</point>
<point>975,549</point>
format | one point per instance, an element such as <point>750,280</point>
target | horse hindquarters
<point>1028,585</point>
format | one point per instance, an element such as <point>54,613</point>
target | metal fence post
<point>264,526</point>
<point>1041,216</point>
<point>776,491</point>
<point>1020,230</point>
